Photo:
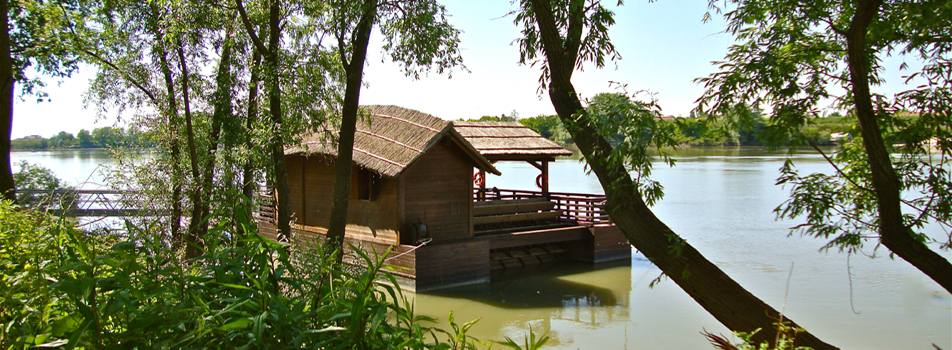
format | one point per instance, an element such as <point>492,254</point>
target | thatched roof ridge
<point>391,139</point>
<point>496,140</point>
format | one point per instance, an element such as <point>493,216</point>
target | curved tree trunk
<point>345,146</point>
<point>716,292</point>
<point>893,232</point>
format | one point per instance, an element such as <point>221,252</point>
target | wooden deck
<point>511,229</point>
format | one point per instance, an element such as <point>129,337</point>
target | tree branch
<point>573,36</point>
<point>126,76</point>
<point>838,170</point>
<point>250,29</point>
<point>134,82</point>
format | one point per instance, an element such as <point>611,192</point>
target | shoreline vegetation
<point>104,137</point>
<point>697,130</point>
<point>690,131</point>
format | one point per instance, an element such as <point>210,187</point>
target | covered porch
<point>527,227</point>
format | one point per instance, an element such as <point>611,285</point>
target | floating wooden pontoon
<point>413,190</point>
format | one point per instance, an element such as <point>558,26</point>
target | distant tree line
<point>699,130</point>
<point>103,137</point>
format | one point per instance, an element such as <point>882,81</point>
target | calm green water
<point>720,200</point>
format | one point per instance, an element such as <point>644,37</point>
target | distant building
<point>32,137</point>
<point>932,145</point>
<point>839,136</point>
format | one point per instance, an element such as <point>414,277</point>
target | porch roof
<point>509,141</point>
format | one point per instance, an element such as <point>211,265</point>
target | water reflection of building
<point>556,300</point>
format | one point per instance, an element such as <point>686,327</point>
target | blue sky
<point>664,46</point>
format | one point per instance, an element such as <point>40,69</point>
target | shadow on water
<point>544,286</point>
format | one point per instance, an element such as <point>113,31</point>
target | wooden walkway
<point>83,203</point>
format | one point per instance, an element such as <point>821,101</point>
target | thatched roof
<point>391,139</point>
<point>509,141</point>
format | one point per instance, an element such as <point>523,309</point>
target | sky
<point>664,46</point>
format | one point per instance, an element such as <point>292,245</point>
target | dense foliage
<point>60,286</point>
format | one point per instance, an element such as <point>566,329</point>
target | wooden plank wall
<point>452,264</point>
<point>605,243</point>
<point>311,183</point>
<point>295,166</point>
<point>610,244</point>
<point>438,192</point>
<point>402,258</point>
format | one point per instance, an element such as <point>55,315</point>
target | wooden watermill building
<point>413,191</point>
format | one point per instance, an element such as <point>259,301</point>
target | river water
<point>721,201</point>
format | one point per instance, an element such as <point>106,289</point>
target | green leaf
<point>237,324</point>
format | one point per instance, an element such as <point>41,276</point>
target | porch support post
<point>545,178</point>
<point>482,186</point>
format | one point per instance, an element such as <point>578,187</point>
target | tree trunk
<point>280,171</point>
<point>175,221</point>
<point>222,100</point>
<point>893,232</point>
<point>195,196</point>
<point>248,176</point>
<point>7,187</point>
<point>716,292</point>
<point>345,146</point>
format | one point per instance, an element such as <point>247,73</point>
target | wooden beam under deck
<point>465,261</point>
<point>515,207</point>
<point>554,235</point>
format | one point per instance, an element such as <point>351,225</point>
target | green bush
<point>64,287</point>
<point>36,177</point>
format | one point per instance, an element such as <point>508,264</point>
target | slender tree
<point>111,38</point>
<point>7,187</point>
<point>222,100</point>
<point>354,67</point>
<point>248,180</point>
<point>417,35</point>
<point>564,34</point>
<point>299,79</point>
<point>26,43</point>
<point>273,64</point>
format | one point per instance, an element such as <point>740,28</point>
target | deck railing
<point>576,207</point>
<point>581,208</point>
<point>266,211</point>
<point>81,202</point>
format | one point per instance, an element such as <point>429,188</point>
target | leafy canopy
<point>791,60</point>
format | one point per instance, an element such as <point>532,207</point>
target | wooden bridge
<point>82,203</point>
